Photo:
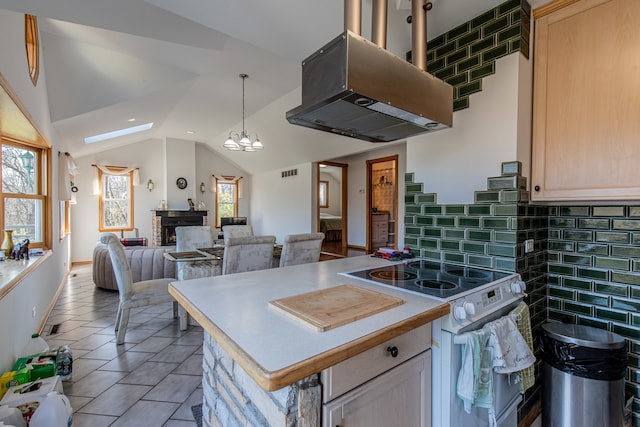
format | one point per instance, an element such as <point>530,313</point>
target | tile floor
<point>151,380</point>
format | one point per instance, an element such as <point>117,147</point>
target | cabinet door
<point>400,397</point>
<point>586,127</point>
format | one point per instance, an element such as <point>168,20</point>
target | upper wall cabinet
<point>586,112</point>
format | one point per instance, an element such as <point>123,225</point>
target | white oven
<point>476,296</point>
<point>469,313</point>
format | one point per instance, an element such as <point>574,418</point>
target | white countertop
<point>277,350</point>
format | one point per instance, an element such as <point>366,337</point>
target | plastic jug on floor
<point>36,345</point>
<point>11,417</point>
<point>54,411</point>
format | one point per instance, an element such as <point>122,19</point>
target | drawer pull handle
<point>393,351</point>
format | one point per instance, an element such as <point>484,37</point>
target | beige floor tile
<point>174,353</point>
<point>174,388</point>
<point>153,344</point>
<point>116,400</point>
<point>179,423</point>
<point>149,373</point>
<point>83,367</point>
<point>93,384</point>
<point>146,414</point>
<point>191,366</point>
<point>184,412</point>
<point>126,362</point>
<point>87,420</point>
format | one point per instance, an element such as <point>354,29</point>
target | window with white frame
<point>226,199</point>
<point>116,200</point>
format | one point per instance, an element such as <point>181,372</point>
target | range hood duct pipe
<point>379,23</point>
<point>353,16</point>
<point>419,34</point>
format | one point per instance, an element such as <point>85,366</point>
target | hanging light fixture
<point>243,141</point>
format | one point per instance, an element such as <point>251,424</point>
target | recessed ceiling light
<point>117,133</point>
<point>132,119</point>
<point>191,132</point>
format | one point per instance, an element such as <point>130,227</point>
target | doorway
<point>382,203</point>
<point>332,206</point>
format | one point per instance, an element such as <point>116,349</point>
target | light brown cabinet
<point>388,385</point>
<point>379,230</point>
<point>586,103</point>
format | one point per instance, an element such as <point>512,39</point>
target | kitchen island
<point>266,362</point>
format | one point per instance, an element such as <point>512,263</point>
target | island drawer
<point>355,371</point>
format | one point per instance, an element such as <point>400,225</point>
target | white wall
<point>38,288</point>
<point>163,162</point>
<point>357,190</point>
<point>208,163</point>
<point>456,162</point>
<point>335,192</point>
<point>149,157</point>
<point>281,206</point>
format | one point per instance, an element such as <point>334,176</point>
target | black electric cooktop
<point>431,278</point>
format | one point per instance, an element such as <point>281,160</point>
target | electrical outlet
<point>528,246</point>
<point>33,311</point>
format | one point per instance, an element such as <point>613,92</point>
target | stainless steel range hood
<point>356,88</point>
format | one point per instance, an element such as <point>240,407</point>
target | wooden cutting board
<point>329,308</point>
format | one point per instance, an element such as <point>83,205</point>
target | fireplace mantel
<point>164,223</point>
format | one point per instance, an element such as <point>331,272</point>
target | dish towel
<point>469,376</point>
<point>509,351</point>
<point>522,317</point>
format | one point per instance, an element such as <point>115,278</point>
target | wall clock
<point>181,183</point>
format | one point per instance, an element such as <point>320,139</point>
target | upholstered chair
<point>249,253</point>
<point>301,248</point>
<point>190,238</point>
<point>237,231</point>
<point>133,294</point>
<point>193,237</point>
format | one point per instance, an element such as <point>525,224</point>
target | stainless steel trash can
<point>583,374</point>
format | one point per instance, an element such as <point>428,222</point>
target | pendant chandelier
<point>243,141</point>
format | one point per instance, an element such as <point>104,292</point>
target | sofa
<point>146,263</point>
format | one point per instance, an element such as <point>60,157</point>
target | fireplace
<point>165,223</point>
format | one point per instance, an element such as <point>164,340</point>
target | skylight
<point>117,133</point>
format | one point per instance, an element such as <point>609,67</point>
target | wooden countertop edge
<point>12,283</point>
<point>275,380</point>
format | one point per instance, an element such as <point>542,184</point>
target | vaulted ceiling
<point>177,64</point>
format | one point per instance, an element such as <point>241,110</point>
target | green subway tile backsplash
<point>595,249</point>
<point>575,235</point>
<point>626,224</point>
<point>608,211</point>
<point>454,233</point>
<point>590,273</point>
<point>612,263</point>
<point>473,247</point>
<point>479,260</point>
<point>449,245</point>
<point>574,210</point>
<point>599,223</point>
<point>474,46</point>
<point>612,237</point>
<point>628,278</point>
<point>612,289</point>
<point>481,235</point>
<point>616,316</point>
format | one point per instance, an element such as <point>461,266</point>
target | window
<point>226,199</point>
<point>323,194</point>
<point>23,199</point>
<point>116,200</point>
